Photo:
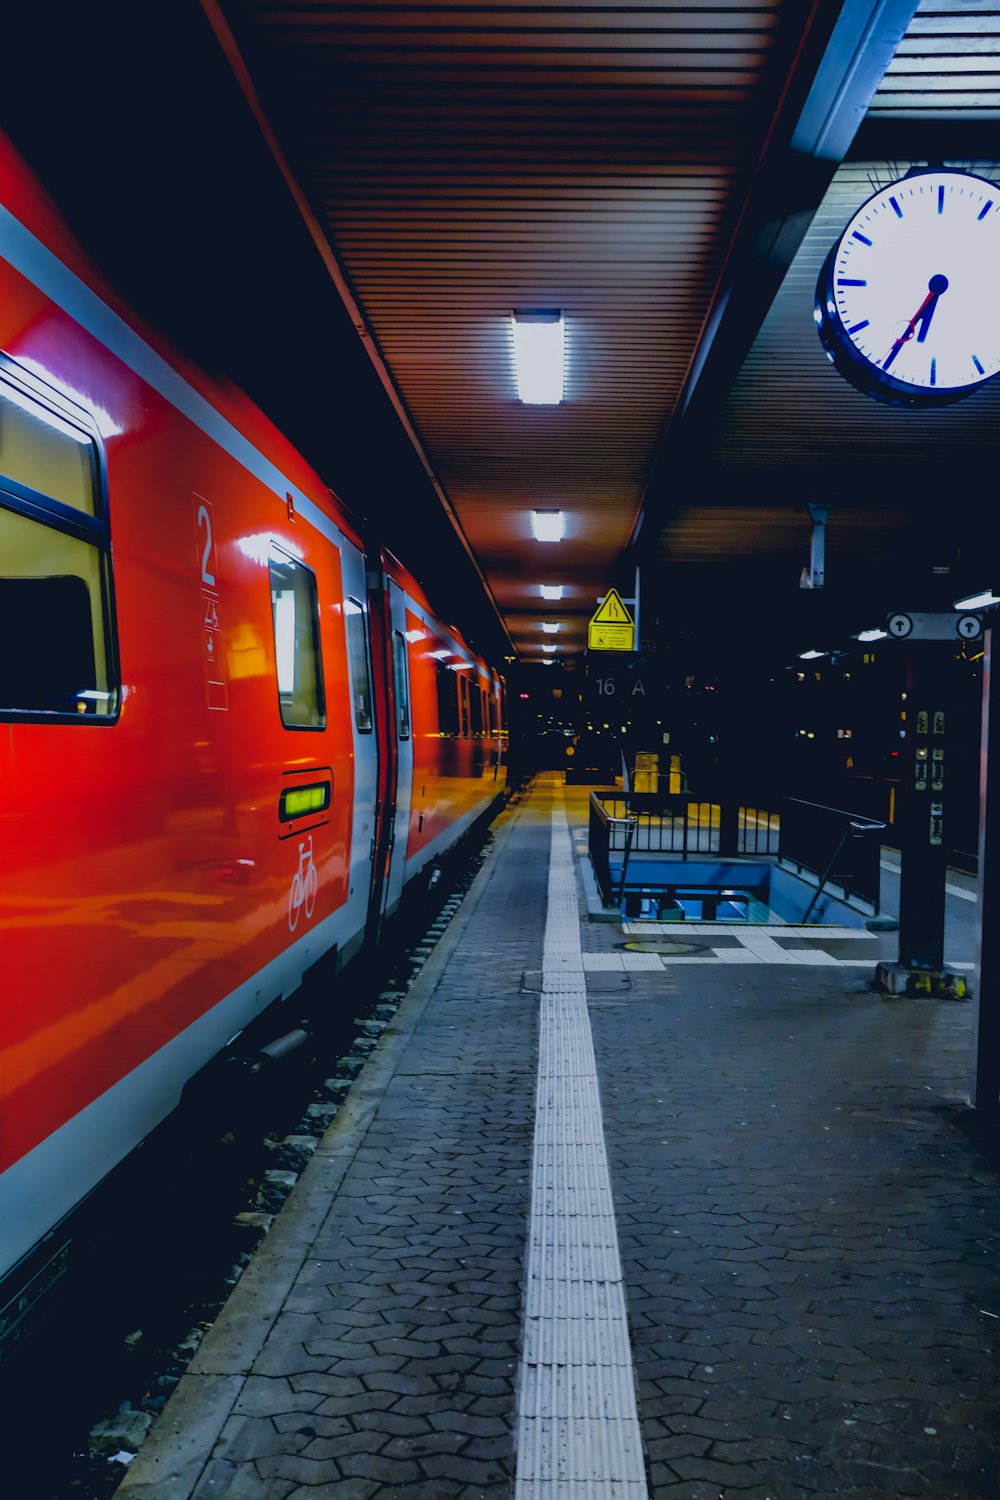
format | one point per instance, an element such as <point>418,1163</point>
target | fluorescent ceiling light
<point>552,590</point>
<point>810,655</point>
<point>978,601</point>
<point>539,352</point>
<point>549,649</point>
<point>871,635</point>
<point>550,627</point>
<point>548,525</point>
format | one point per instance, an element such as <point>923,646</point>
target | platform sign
<point>936,627</point>
<point>612,627</point>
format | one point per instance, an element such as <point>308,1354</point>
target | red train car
<point>230,731</point>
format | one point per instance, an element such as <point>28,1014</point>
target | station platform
<point>602,1221</point>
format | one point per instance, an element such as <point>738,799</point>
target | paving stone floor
<point>811,1243</point>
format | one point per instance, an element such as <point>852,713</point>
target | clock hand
<point>923,315</point>
<point>936,286</point>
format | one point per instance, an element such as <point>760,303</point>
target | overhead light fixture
<point>810,655</point>
<point>978,601</point>
<point>872,635</point>
<point>550,627</point>
<point>549,649</point>
<point>548,525</point>
<point>551,590</point>
<point>539,354</point>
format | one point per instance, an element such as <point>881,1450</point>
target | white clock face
<point>915,281</point>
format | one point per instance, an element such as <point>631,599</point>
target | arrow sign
<point>612,611</point>
<point>934,627</point>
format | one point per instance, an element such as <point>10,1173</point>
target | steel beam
<point>833,66</point>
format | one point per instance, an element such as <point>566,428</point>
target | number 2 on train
<point>205,517</point>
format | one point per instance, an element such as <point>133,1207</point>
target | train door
<point>385,796</point>
<point>402,734</point>
<point>365,739</point>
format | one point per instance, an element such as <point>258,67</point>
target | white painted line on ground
<point>578,1432</point>
<point>953,890</point>
<point>681,930</point>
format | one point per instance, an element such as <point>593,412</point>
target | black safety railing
<point>759,831</point>
<point>682,823</point>
<point>607,832</point>
<point>838,847</point>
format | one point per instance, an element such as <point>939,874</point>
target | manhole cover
<point>666,947</point>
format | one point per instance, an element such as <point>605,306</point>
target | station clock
<point>908,300</point>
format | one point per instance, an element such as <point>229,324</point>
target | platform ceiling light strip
<point>875,634</point>
<point>539,355</point>
<point>551,590</point>
<point>977,601</point>
<point>548,525</point>
<point>550,627</point>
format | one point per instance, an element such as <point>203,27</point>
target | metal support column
<point>986,1032</point>
<point>922,878</point>
<point>921,967</point>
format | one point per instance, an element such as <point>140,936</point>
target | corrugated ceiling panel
<point>472,159</point>
<point>947,66</point>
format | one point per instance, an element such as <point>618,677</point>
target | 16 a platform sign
<point>614,683</point>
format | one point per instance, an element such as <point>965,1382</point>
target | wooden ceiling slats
<point>467,159</point>
<point>394,19</point>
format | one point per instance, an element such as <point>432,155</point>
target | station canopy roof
<point>344,203</point>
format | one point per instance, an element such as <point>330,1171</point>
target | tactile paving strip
<point>578,1432</point>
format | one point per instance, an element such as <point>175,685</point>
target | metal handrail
<point>601,824</point>
<point>856,828</point>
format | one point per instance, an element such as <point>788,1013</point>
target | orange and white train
<point>231,730</point>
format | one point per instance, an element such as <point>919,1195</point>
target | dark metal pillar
<point>986,1033</point>
<point>924,865</point>
<point>922,823</point>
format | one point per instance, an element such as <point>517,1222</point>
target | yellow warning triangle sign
<point>612,611</point>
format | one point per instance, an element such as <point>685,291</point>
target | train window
<point>297,656</point>
<point>54,567</point>
<point>447,696</point>
<point>401,684</point>
<point>463,703</point>
<point>357,653</point>
<point>477,708</point>
<point>45,452</point>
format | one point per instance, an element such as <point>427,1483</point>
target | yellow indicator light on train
<point>301,800</point>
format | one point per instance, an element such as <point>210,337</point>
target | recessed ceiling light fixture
<point>549,649</point>
<point>875,634</point>
<point>550,627</point>
<point>551,590</point>
<point>539,354</point>
<point>548,525</point>
<point>810,655</point>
